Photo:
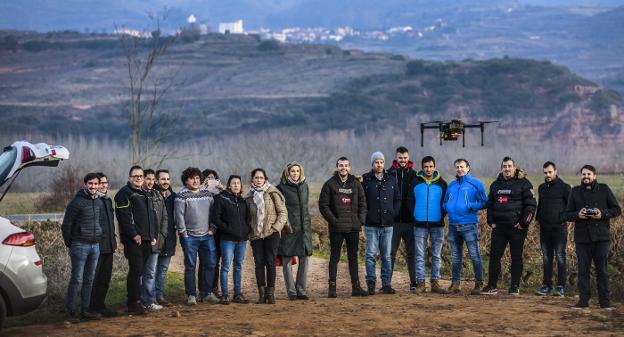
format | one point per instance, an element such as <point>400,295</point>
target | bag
<point>293,261</point>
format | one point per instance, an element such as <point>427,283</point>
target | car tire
<point>3,312</point>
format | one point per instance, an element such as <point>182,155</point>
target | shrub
<point>269,45</point>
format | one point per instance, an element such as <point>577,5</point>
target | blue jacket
<point>464,198</point>
<point>383,199</point>
<point>427,197</point>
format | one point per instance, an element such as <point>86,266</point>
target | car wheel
<point>2,312</point>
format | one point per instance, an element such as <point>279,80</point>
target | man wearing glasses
<point>138,232</point>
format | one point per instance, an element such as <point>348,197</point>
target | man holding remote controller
<point>591,205</point>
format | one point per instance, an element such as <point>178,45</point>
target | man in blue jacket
<point>426,194</point>
<point>383,200</point>
<point>463,199</point>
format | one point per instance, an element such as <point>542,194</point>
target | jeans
<point>137,256</point>
<point>148,284</point>
<point>378,239</point>
<point>204,246</point>
<point>162,266</point>
<point>501,236</point>
<point>404,232</point>
<point>335,249</point>
<point>103,273</point>
<point>420,241</point>
<point>469,233</point>
<point>299,286</point>
<point>585,254</point>
<point>265,253</point>
<point>84,257</point>
<point>232,250</point>
<point>554,245</point>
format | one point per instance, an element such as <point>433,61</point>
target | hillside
<point>74,83</point>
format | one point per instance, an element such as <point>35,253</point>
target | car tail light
<point>27,155</point>
<point>24,239</point>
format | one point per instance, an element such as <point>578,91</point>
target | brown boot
<point>454,288</point>
<point>420,288</point>
<point>435,287</point>
<point>477,288</point>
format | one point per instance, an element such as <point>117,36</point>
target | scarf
<point>258,199</point>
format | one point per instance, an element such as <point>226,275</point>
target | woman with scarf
<point>298,243</point>
<point>267,216</point>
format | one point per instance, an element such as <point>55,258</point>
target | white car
<point>22,281</point>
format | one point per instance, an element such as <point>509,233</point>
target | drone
<point>451,131</point>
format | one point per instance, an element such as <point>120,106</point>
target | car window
<point>7,160</point>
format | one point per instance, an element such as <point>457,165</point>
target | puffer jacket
<point>343,204</point>
<point>426,200</point>
<point>275,215</point>
<point>511,201</point>
<point>383,199</point>
<point>463,199</point>
<point>229,214</point>
<point>299,242</point>
<point>81,221</point>
<point>553,199</point>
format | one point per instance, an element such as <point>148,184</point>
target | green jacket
<point>299,243</point>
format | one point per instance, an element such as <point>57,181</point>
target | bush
<point>269,45</point>
<point>64,187</point>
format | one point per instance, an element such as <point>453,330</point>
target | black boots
<point>270,295</point>
<point>331,293</point>
<point>261,295</point>
<point>356,290</point>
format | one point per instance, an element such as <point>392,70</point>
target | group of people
<point>214,222</point>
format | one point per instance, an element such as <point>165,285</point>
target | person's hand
<point>493,226</point>
<point>137,239</point>
<point>581,213</point>
<point>153,242</point>
<point>518,226</point>
<point>598,215</point>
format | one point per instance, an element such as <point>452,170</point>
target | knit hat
<point>377,156</point>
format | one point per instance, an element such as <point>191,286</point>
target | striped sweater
<point>192,211</point>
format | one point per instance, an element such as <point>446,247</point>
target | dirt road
<point>402,314</point>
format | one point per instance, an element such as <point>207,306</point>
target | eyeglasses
<point>137,177</point>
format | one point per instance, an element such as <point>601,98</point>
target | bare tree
<point>149,127</point>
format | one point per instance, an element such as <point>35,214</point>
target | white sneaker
<point>191,300</point>
<point>153,307</point>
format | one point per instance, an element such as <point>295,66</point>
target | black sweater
<point>553,198</point>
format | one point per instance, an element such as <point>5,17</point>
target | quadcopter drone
<point>451,131</point>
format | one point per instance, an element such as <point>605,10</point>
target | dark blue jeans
<point>585,254</point>
<point>84,257</point>
<point>232,250</point>
<point>554,245</point>
<point>162,266</point>
<point>205,247</point>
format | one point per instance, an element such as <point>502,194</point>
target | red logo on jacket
<point>346,201</point>
<point>503,199</point>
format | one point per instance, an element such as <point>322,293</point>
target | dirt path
<point>402,314</point>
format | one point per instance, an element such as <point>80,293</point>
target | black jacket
<point>553,198</point>
<point>82,219</point>
<point>596,196</point>
<point>108,242</point>
<point>172,236</point>
<point>229,214</point>
<point>135,214</point>
<point>383,199</point>
<point>511,201</point>
<point>404,175</point>
<point>343,205</point>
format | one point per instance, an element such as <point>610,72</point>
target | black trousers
<point>103,274</point>
<point>265,253</point>
<point>335,249</point>
<point>501,236</point>
<point>553,244</point>
<point>585,254</point>
<point>405,232</point>
<point>137,259</point>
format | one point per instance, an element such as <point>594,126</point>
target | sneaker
<point>454,288</point>
<point>607,307</point>
<point>303,297</point>
<point>89,316</point>
<point>560,291</point>
<point>224,300</point>
<point>162,301</point>
<point>371,288</point>
<point>388,290</point>
<point>477,288</point>
<point>412,288</point>
<point>544,291</point>
<point>580,306</point>
<point>71,317</point>
<point>489,291</point>
<point>191,300</point>
<point>106,312</point>
<point>239,298</point>
<point>153,307</point>
<point>210,298</point>
<point>514,291</point>
<point>420,288</point>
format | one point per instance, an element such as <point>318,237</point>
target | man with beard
<point>550,215</point>
<point>163,184</point>
<point>342,204</point>
<point>592,206</point>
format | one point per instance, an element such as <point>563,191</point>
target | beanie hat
<point>377,156</point>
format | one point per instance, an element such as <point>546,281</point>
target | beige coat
<point>275,216</point>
